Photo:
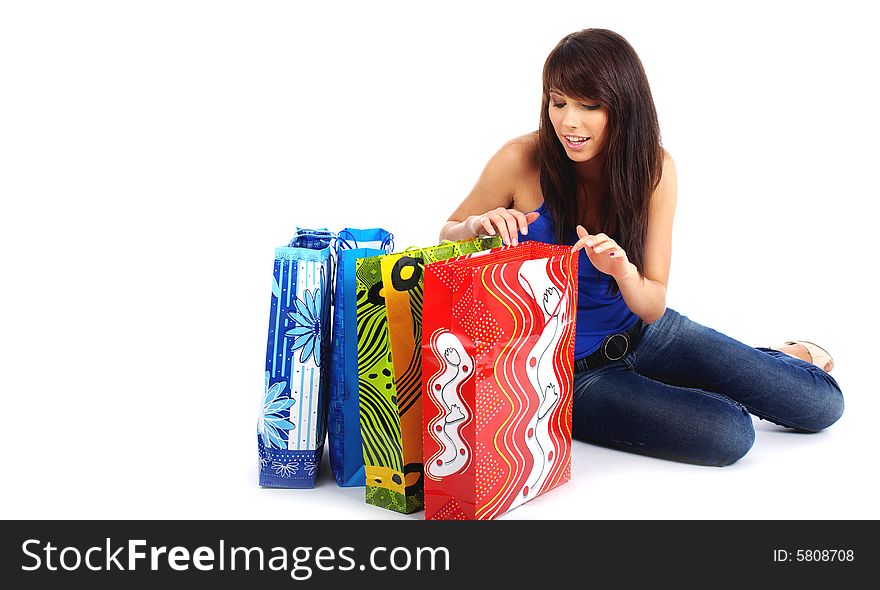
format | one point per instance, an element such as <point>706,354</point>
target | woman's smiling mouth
<point>575,142</point>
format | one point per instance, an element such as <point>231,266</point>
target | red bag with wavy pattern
<point>497,372</point>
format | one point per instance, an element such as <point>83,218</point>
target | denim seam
<point>772,418</point>
<point>712,394</point>
<point>719,397</point>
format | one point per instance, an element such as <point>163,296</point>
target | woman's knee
<point>825,406</point>
<point>729,440</point>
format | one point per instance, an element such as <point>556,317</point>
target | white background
<point>153,154</point>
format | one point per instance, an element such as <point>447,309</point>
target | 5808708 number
<point>820,555</point>
<point>825,555</point>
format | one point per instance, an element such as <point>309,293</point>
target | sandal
<point>818,355</point>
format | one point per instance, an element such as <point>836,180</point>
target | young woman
<point>595,176</point>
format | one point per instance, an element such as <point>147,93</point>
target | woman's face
<point>579,125</point>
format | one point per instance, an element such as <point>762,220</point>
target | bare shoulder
<point>668,180</point>
<point>525,171</point>
<point>666,193</point>
<point>507,169</point>
<point>503,179</point>
<point>520,155</point>
<point>668,163</point>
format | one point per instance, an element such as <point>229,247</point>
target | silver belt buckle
<point>609,340</point>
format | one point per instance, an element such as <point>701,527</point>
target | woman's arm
<point>644,293</point>
<point>487,207</point>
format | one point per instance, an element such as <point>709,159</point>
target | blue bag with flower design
<point>346,447</point>
<point>293,420</point>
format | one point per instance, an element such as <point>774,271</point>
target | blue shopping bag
<point>346,449</point>
<point>293,421</point>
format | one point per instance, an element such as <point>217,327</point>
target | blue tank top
<point>599,314</point>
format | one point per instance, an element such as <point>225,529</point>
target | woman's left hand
<point>605,254</point>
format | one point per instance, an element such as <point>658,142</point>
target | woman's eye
<point>558,105</point>
<point>591,107</point>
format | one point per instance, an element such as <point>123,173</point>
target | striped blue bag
<point>346,448</point>
<point>293,420</point>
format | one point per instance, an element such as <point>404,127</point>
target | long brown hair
<point>600,65</point>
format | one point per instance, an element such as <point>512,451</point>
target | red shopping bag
<point>497,374</point>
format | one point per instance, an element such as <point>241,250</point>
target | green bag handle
<point>442,243</point>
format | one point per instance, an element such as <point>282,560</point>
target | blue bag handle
<point>346,240</point>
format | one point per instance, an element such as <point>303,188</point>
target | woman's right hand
<point>505,222</point>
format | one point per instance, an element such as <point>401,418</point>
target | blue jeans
<point>685,393</point>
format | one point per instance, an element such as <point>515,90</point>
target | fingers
<point>498,221</point>
<point>604,253</point>
<point>512,229</point>
<point>584,236</point>
<point>525,220</point>
<point>508,223</point>
<point>602,243</point>
<point>487,225</point>
<point>521,224</point>
<point>596,244</point>
<point>596,240</point>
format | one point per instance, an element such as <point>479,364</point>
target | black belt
<point>613,348</point>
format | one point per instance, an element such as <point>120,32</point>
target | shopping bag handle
<point>350,242</point>
<point>388,243</point>
<point>322,232</point>
<point>340,240</point>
